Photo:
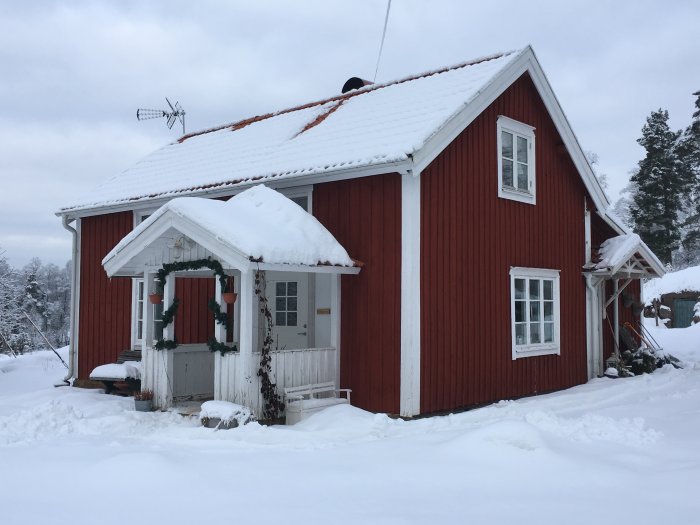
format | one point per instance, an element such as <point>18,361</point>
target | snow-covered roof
<point>627,254</point>
<point>257,225</point>
<point>687,280</point>
<point>376,125</point>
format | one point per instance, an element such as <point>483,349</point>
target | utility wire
<point>381,46</point>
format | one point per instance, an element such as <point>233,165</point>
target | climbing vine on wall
<point>273,406</point>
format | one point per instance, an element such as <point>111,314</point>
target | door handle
<point>301,333</point>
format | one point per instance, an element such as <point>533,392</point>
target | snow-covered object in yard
<point>226,413</point>
<point>687,280</point>
<point>376,125</point>
<point>259,223</point>
<point>128,370</point>
<point>616,252</point>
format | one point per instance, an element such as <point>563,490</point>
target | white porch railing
<point>289,368</point>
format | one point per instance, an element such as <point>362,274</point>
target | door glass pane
<point>520,334</point>
<point>522,176</point>
<point>292,304</point>
<point>506,144</point>
<point>522,149</point>
<point>281,288</point>
<point>534,333</point>
<point>508,173</point>
<point>280,304</point>
<point>291,319</point>
<point>534,289</point>
<point>281,319</point>
<point>292,288</point>
<point>520,288</point>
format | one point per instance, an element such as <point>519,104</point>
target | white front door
<point>288,297</point>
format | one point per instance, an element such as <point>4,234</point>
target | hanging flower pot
<point>155,298</point>
<point>229,297</point>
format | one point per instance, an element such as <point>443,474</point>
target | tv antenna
<point>176,113</point>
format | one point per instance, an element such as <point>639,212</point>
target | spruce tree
<point>689,158</point>
<point>659,188</point>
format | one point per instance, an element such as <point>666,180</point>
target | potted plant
<point>143,401</point>
<point>228,296</point>
<point>155,298</point>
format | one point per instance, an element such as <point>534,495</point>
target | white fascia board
<point>233,189</point>
<point>327,269</point>
<point>526,62</point>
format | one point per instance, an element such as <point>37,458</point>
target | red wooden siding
<point>194,322</point>
<point>105,304</point>
<point>365,216</point>
<point>469,240</point>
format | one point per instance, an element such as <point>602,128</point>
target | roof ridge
<point>345,96</point>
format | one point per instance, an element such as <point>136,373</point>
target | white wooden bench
<point>302,401</point>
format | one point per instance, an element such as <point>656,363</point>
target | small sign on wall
<point>323,311</point>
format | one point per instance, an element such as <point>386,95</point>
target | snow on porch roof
<point>376,125</point>
<point>259,224</point>
<point>628,254</point>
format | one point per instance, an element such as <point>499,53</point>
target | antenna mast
<point>176,113</point>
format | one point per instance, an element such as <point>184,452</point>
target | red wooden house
<point>476,228</point>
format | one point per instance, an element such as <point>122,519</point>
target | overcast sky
<point>72,75</point>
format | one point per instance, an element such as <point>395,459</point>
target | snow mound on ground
<point>683,343</point>
<point>226,411</point>
<point>687,280</point>
<point>128,370</point>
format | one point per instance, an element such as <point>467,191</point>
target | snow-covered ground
<point>611,451</point>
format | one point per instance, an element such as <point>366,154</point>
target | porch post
<point>616,318</point>
<point>244,378</point>
<point>219,329</point>
<point>147,319</point>
<point>335,324</point>
<point>163,391</point>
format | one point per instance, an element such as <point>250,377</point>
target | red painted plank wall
<point>365,216</point>
<point>105,304</point>
<point>469,240</point>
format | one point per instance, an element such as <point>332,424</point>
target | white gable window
<point>534,311</point>
<point>516,160</point>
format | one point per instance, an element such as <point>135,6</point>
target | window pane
<point>548,289</point>
<point>548,332</point>
<point>522,149</point>
<point>519,334</point>
<point>280,319</point>
<point>280,304</point>
<point>139,330</point>
<point>520,311</point>
<point>522,176</point>
<point>508,173</point>
<point>292,288</point>
<point>506,144</point>
<point>292,319</point>
<point>534,311</point>
<point>534,289</point>
<point>534,333</point>
<point>520,288</point>
<point>548,311</point>
<point>281,289</point>
<point>292,304</point>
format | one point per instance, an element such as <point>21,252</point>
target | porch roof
<point>258,228</point>
<point>627,256</point>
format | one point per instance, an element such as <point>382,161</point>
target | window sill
<point>535,350</point>
<point>505,192</point>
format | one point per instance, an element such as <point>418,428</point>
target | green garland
<point>222,319</point>
<point>180,266</point>
<point>167,317</point>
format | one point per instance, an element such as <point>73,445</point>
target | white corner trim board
<point>410,295</point>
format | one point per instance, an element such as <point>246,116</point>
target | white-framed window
<point>301,195</point>
<point>137,310</point>
<point>534,311</point>
<point>286,305</point>
<point>516,160</point>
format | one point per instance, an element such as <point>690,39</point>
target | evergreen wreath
<point>273,406</point>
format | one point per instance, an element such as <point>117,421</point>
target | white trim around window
<point>516,160</point>
<point>534,312</point>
